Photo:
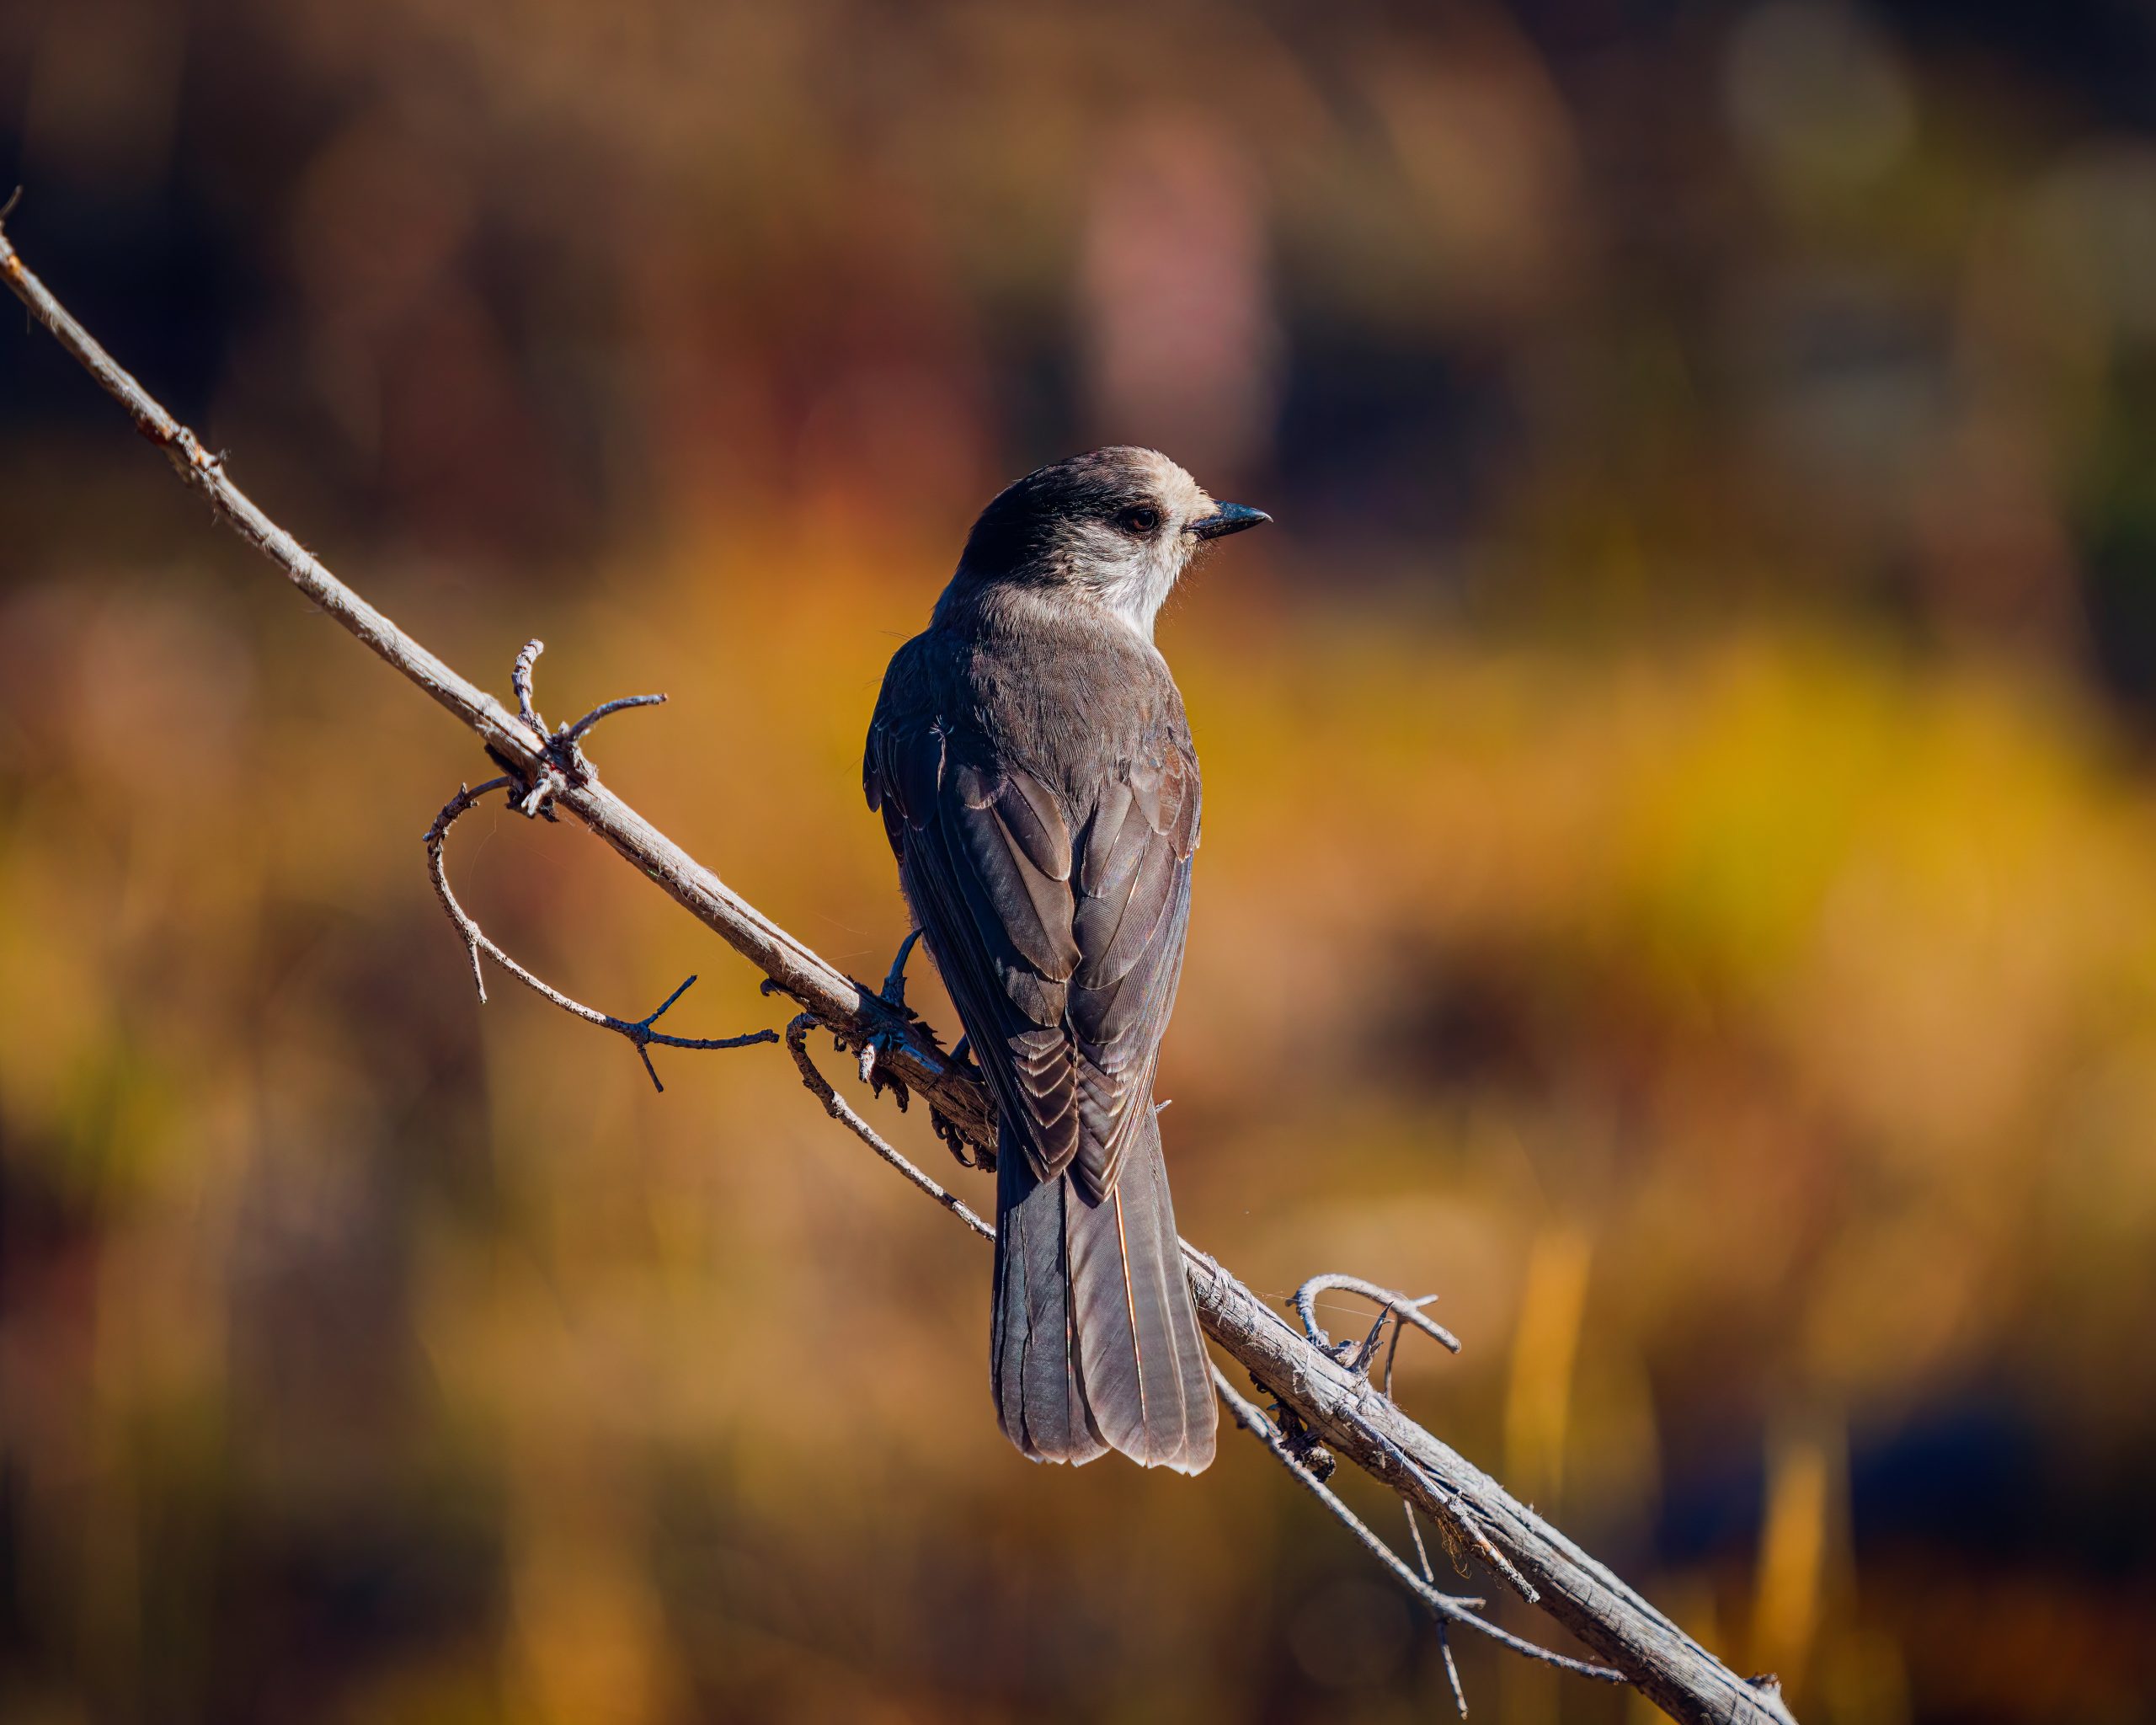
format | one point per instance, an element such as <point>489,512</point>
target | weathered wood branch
<point>1338,1402</point>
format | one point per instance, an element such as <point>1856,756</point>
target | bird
<point>1033,764</point>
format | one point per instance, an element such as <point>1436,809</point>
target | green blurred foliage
<point>1679,873</point>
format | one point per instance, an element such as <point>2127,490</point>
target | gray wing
<point>1059,932</point>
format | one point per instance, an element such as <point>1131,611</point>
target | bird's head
<point>1114,528</point>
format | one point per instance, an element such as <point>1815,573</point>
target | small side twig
<point>1430,1575</point>
<point>834,1105</point>
<point>1452,1505</point>
<point>1452,1608</point>
<point>1399,1305</point>
<point>638,1031</point>
<point>520,683</point>
<point>570,733</point>
<point>561,764</point>
<point>1423,1551</point>
<point>1452,1669</point>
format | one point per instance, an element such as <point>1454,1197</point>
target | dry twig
<point>638,1031</point>
<point>1406,1311</point>
<point>1357,1357</point>
<point>1447,1608</point>
<point>834,1105</point>
<point>1338,1404</point>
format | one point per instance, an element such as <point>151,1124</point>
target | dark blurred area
<point>1679,879</point>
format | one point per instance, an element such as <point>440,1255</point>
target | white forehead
<point>1184,498</point>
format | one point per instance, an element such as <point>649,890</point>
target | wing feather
<point>1059,929</point>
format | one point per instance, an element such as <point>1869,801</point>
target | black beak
<point>1227,518</point>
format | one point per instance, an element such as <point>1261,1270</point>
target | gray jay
<point>1031,760</point>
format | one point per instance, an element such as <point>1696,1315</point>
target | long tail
<point>1095,1341</point>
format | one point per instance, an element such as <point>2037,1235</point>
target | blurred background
<point>1679,876</point>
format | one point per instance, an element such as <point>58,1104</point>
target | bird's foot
<point>968,1153</point>
<point>963,1150</point>
<point>880,1043</point>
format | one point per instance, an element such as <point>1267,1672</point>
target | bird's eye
<point>1142,519</point>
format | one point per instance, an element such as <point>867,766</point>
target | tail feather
<point>1096,1343</point>
<point>1040,1400</point>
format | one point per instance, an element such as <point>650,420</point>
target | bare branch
<point>638,1031</point>
<point>1358,1357</point>
<point>854,1011</point>
<point>1448,1607</point>
<point>1341,1404</point>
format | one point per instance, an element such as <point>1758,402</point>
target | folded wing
<point>1059,932</point>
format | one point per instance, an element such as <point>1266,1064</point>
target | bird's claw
<point>964,1150</point>
<point>893,994</point>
